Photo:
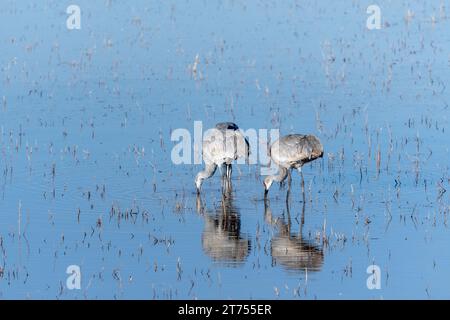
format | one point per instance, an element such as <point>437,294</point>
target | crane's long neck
<point>210,168</point>
<point>208,171</point>
<point>282,173</point>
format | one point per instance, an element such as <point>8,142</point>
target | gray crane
<point>292,152</point>
<point>221,146</point>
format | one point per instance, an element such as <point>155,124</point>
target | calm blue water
<point>85,152</point>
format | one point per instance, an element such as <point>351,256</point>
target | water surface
<point>87,179</point>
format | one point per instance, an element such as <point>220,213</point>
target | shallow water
<point>86,173</point>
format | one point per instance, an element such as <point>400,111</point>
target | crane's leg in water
<point>303,183</point>
<point>289,180</point>
<point>302,222</point>
<point>229,171</point>
<point>288,194</point>
<point>223,171</point>
<point>226,188</point>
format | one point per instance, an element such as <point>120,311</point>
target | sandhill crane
<point>292,152</point>
<point>221,146</point>
<point>222,240</point>
<point>292,251</point>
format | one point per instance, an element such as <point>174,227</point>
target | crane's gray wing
<point>296,148</point>
<point>221,146</point>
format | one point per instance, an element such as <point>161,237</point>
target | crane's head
<point>267,183</point>
<point>198,182</point>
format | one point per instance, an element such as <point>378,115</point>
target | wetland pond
<point>87,179</point>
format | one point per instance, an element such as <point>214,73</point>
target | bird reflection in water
<point>289,250</point>
<point>221,238</point>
